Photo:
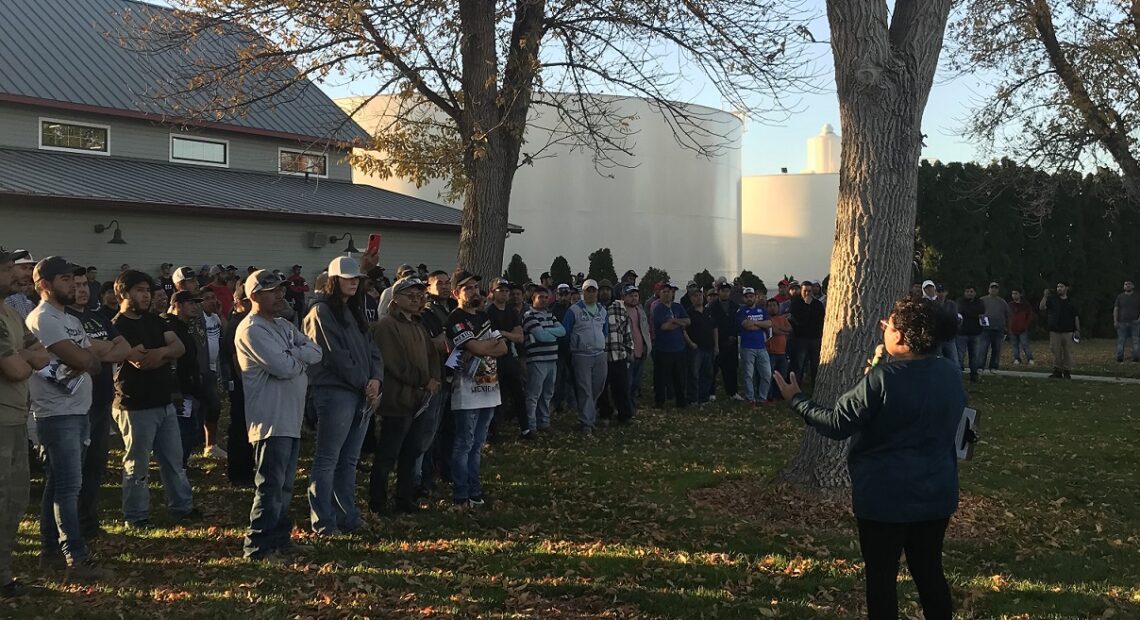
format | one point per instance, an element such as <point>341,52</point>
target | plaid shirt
<point>619,343</point>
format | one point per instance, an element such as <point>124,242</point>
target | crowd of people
<point>419,372</point>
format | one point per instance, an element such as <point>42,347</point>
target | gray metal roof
<point>77,52</point>
<point>132,182</point>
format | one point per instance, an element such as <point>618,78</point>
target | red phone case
<point>374,243</point>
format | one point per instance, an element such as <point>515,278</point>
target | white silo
<point>823,151</point>
<point>665,206</point>
<point>788,220</point>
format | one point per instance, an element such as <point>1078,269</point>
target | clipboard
<point>967,434</point>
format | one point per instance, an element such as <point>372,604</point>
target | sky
<point>769,146</point>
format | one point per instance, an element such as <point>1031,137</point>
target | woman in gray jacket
<point>343,389</point>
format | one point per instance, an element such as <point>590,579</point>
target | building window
<point>72,136</point>
<point>199,151</point>
<point>302,163</point>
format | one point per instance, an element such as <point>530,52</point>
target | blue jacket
<point>903,417</point>
<point>587,332</point>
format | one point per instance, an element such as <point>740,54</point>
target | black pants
<point>239,463</point>
<point>395,447</point>
<point>882,543</point>
<point>669,371</point>
<point>615,394</point>
<point>94,466</point>
<point>513,394</point>
<point>728,362</point>
<point>804,358</point>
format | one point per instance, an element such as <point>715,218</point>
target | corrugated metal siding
<point>70,51</point>
<point>94,177</point>
<point>153,239</point>
<point>19,127</point>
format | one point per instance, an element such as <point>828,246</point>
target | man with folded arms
<point>21,355</point>
<point>273,356</point>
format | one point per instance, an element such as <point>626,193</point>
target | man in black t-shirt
<point>505,318</point>
<point>807,314</point>
<point>1064,329</point>
<point>144,409</point>
<point>701,339</point>
<point>723,314</point>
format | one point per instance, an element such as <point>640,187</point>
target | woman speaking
<point>904,416</point>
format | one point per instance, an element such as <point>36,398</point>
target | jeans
<point>701,375</point>
<point>757,373</point>
<point>1020,343</point>
<point>729,364</point>
<point>779,365</point>
<point>341,424</point>
<point>61,439</point>
<point>275,469</point>
<point>144,431</point>
<point>15,486</point>
<point>437,456</point>
<point>972,346</point>
<point>991,345</point>
<point>1124,333</point>
<point>882,544</point>
<point>668,371</point>
<point>94,467</point>
<point>635,367</point>
<point>539,390</point>
<point>615,392</point>
<point>949,350</point>
<point>398,446</point>
<point>589,380</point>
<point>470,434</point>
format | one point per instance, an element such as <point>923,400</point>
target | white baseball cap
<point>345,267</point>
<point>591,283</point>
<point>927,283</point>
<point>183,273</point>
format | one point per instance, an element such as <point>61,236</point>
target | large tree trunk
<point>486,202</point>
<point>883,77</point>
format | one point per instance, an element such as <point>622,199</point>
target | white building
<point>788,220</point>
<point>667,207</point>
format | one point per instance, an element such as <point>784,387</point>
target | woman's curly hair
<point>923,325</point>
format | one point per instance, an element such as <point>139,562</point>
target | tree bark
<point>883,77</point>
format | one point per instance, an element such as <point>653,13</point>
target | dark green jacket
<point>903,418</point>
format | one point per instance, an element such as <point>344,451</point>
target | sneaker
<point>215,452</point>
<point>477,502</point>
<point>528,435</point>
<point>712,398</point>
<point>1016,362</point>
<point>12,589</point>
<point>144,524</point>
<point>88,570</point>
<point>737,396</point>
<point>52,561</point>
<point>1032,363</point>
<point>1056,375</point>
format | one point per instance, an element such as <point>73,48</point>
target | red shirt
<point>225,298</point>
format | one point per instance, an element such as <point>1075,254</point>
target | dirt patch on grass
<point>778,506</point>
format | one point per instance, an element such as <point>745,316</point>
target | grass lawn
<point>1092,357</point>
<point>670,518</point>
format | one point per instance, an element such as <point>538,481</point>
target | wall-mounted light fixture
<point>348,249</point>
<point>116,237</point>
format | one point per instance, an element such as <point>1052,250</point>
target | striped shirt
<point>541,346</point>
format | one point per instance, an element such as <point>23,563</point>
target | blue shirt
<point>673,340</point>
<point>752,339</point>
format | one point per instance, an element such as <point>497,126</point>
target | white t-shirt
<point>58,390</point>
<point>213,338</point>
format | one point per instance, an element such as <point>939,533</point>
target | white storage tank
<point>666,206</point>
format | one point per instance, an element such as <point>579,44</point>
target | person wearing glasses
<point>413,378</point>
<point>344,390</point>
<point>903,415</point>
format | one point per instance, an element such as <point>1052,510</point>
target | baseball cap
<point>926,283</point>
<point>994,285</point>
<point>691,284</point>
<point>591,283</point>
<point>407,283</point>
<point>130,279</point>
<point>262,280</point>
<point>461,277</point>
<point>404,271</point>
<point>345,267</point>
<point>296,267</point>
<point>183,273</point>
<point>563,287</point>
<point>184,296</point>
<point>628,274</point>
<point>501,283</point>
<point>545,275</point>
<point>216,269</point>
<point>669,283</point>
<point>630,289</point>
<point>807,283</point>
<point>724,284</point>
<point>52,267</point>
<point>605,284</point>
<point>793,283</point>
<point>165,265</point>
<point>22,257</point>
<point>941,288</point>
<point>748,290</point>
